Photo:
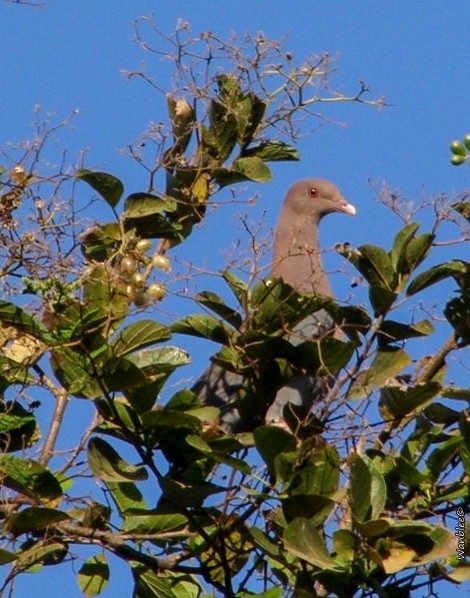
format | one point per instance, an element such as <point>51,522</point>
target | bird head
<point>314,198</point>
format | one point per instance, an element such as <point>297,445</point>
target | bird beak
<point>347,208</point>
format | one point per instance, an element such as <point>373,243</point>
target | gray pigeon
<point>297,260</point>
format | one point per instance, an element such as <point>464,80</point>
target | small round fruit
<point>131,292</point>
<point>138,280</point>
<point>456,160</point>
<point>161,262</point>
<point>141,299</point>
<point>128,266</point>
<point>457,148</point>
<point>143,245</point>
<point>466,141</point>
<point>156,292</point>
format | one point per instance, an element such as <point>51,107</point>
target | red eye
<point>312,192</point>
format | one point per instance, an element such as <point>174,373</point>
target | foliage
<point>314,509</point>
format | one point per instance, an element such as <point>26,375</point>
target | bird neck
<point>297,258</point>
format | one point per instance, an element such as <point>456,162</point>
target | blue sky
<point>69,56</point>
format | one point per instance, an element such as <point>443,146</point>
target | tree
<point>361,497</point>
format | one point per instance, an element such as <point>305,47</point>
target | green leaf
<point>417,249</point>
<point>42,552</point>
<point>381,299</point>
<point>391,331</point>
<point>33,520</point>
<point>455,268</point>
<point>367,488</point>
<point>376,266</point>
<point>272,151</point>
<point>314,507</point>
<point>303,540</point>
<point>441,456</point>
<point>107,464</point>
<point>12,315</point>
<point>139,335</point>
<point>319,474</point>
<point>154,362</point>
<point>72,369</point>
<point>270,441</point>
<point>249,113</point>
<point>164,518</point>
<point>223,131</point>
<point>253,169</point>
<point>215,303</point>
<point>441,414</point>
<point>238,287</point>
<point>277,306</point>
<point>108,186</point>
<point>218,456</point>
<point>387,364</point>
<point>143,205</point>
<point>29,478</point>
<point>17,427</point>
<point>402,238</point>
<point>6,557</point>
<point>398,402</point>
<point>127,496</point>
<point>202,326</point>
<point>93,575</point>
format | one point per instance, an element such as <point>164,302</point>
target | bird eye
<point>312,192</point>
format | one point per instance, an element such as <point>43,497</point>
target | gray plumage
<point>297,260</point>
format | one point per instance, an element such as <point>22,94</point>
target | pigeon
<point>297,260</point>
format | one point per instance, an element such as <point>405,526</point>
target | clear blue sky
<point>416,53</point>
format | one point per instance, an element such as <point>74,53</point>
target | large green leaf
<point>396,402</point>
<point>17,427</point>
<point>272,151</point>
<point>387,363</point>
<point>238,287</point>
<point>109,466</point>
<point>202,326</point>
<point>108,186</point>
<point>376,266</point>
<point>34,520</point>
<point>391,331</point>
<point>142,205</point>
<point>216,304</point>
<point>164,518</point>
<point>93,575</point>
<point>271,441</point>
<point>253,169</point>
<point>303,540</point>
<point>417,249</point>
<point>319,474</point>
<point>12,315</point>
<point>367,488</point>
<point>126,496</point>
<point>223,130</point>
<point>455,268</point>
<point>139,335</point>
<point>203,447</point>
<point>44,552</point>
<point>402,238</point>
<point>72,369</point>
<point>29,478</point>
